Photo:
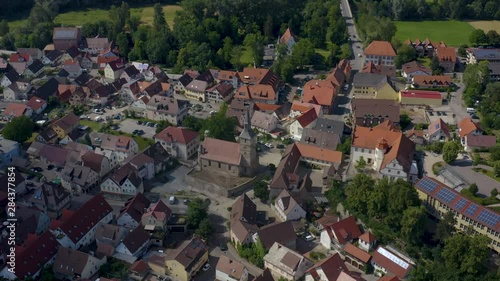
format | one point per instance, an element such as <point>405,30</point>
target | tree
<point>462,51</point>
<point>466,254</point>
<point>335,194</point>
<point>450,151</point>
<point>496,169</point>
<point>197,212</point>
<point>261,191</point>
<point>333,55</point>
<point>404,120</point>
<point>493,38</point>
<point>445,227</point>
<point>255,43</point>
<point>4,27</point>
<point>358,193</point>
<point>205,229</point>
<point>476,73</point>
<point>478,37</point>
<point>406,53</point>
<point>436,67</point>
<point>19,129</point>
<point>302,53</point>
<point>162,125</point>
<point>473,189</point>
<point>193,123</point>
<point>413,224</point>
<point>268,28</point>
<point>123,44</point>
<point>494,192</point>
<point>220,126</point>
<point>361,164</point>
<point>159,21</point>
<point>345,51</point>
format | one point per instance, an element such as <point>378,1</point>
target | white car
<point>206,267</point>
<point>346,87</point>
<point>269,145</point>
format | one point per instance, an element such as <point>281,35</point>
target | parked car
<point>280,146</point>
<point>269,145</point>
<point>151,125</point>
<point>139,122</point>
<point>206,267</point>
<point>309,238</point>
<point>50,167</point>
<point>431,114</point>
<point>140,132</point>
<point>135,132</point>
<point>223,246</point>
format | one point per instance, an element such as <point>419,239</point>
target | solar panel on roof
<point>489,218</point>
<point>427,184</point>
<point>471,210</point>
<point>446,195</point>
<point>397,260</point>
<point>461,203</point>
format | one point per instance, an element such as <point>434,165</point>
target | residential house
<point>8,150</point>
<point>35,53</point>
<point>121,146</point>
<point>143,165</point>
<point>131,93</point>
<point>167,108</point>
<point>385,261</point>
<point>134,245</point>
<point>79,179</point>
<point>196,89</point>
<point>419,97</point>
<point>438,130</point>
<point>34,69</point>
<point>131,214</point>
<point>102,94</point>
<point>52,57</point>
<point>65,125</point>
<point>20,58</point>
<point>435,81</point>
<point>385,150</point>
<point>288,40</point>
<point>73,68</point>
<point>114,70</point>
<point>265,276</point>
<point>160,87</point>
<point>439,199</point>
<point>77,229</point>
<point>373,86</point>
<point>129,73</point>
<point>86,62</point>
<point>287,208</point>
<point>48,89</point>
<point>65,91</point>
<point>16,110</point>
<point>387,70</point>
<point>4,66</point>
<point>108,237</point>
<point>156,216</point>
<point>264,122</point>
<point>410,69</point>
<point>139,270</point>
<point>425,48</point>
<point>37,105</point>
<point>182,83</point>
<point>243,220</point>
<point>103,60</point>
<point>96,45</point>
<point>220,93</point>
<point>447,58</point>
<point>179,142</point>
<point>280,232</point>
<point>286,263</point>
<point>226,77</point>
<point>35,253</point>
<point>50,198</point>
<point>476,55</point>
<point>160,156</point>
<point>416,136</point>
<point>367,241</point>
<point>380,52</point>
<point>260,85</point>
<point>71,264</point>
<point>80,96</point>
<point>280,111</point>
<point>467,127</point>
<point>323,139</point>
<point>9,78</point>
<point>19,67</point>
<point>97,162</point>
<point>306,120</point>
<point>320,92</point>
<point>122,183</point>
<point>473,142</point>
<point>332,268</point>
<point>230,270</point>
<point>30,220</point>
<point>17,91</point>
<point>186,261</point>
<point>336,235</point>
<point>66,37</point>
<point>356,257</point>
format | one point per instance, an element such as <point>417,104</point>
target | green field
<point>246,57</point>
<point>453,33</point>
<point>80,17</point>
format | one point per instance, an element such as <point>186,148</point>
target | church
<point>231,158</point>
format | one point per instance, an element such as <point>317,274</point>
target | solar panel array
<point>471,210</point>
<point>393,258</point>
<point>489,218</point>
<point>427,184</point>
<point>446,195</point>
<point>461,203</point>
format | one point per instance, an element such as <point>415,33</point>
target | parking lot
<point>130,125</point>
<point>444,113</point>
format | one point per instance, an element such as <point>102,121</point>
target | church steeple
<point>247,132</point>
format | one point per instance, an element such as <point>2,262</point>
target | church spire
<point>247,132</point>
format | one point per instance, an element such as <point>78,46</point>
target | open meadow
<point>452,32</point>
<point>486,25</point>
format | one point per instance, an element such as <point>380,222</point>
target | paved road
<point>356,62</point>
<point>456,103</point>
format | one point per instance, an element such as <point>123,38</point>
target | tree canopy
<point>19,129</point>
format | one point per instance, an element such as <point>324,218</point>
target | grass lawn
<point>141,142</point>
<point>425,61</point>
<point>322,52</point>
<point>246,57</point>
<point>486,25</point>
<point>33,137</point>
<point>452,32</point>
<point>95,126</point>
<point>492,175</point>
<point>169,10</point>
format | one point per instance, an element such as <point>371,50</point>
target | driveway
<point>130,125</point>
<point>484,183</point>
<point>456,103</point>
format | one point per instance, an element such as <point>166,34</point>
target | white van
<point>470,110</point>
<point>171,200</point>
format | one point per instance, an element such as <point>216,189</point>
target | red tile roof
<point>34,253</point>
<point>286,36</point>
<point>344,230</point>
<point>15,110</point>
<point>331,267</point>
<point>380,48</point>
<point>321,92</point>
<point>481,141</point>
<point>368,237</point>
<point>418,94</point>
<point>16,57</point>
<point>436,125</point>
<point>158,210</point>
<point>391,262</point>
<point>85,218</point>
<point>35,103</point>
<point>426,80</point>
<point>319,153</point>
<point>135,207</point>
<point>467,126</point>
<point>140,267</point>
<point>388,278</point>
<point>357,253</point>
<point>307,118</point>
<point>175,134</point>
<point>221,151</point>
<point>445,54</point>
